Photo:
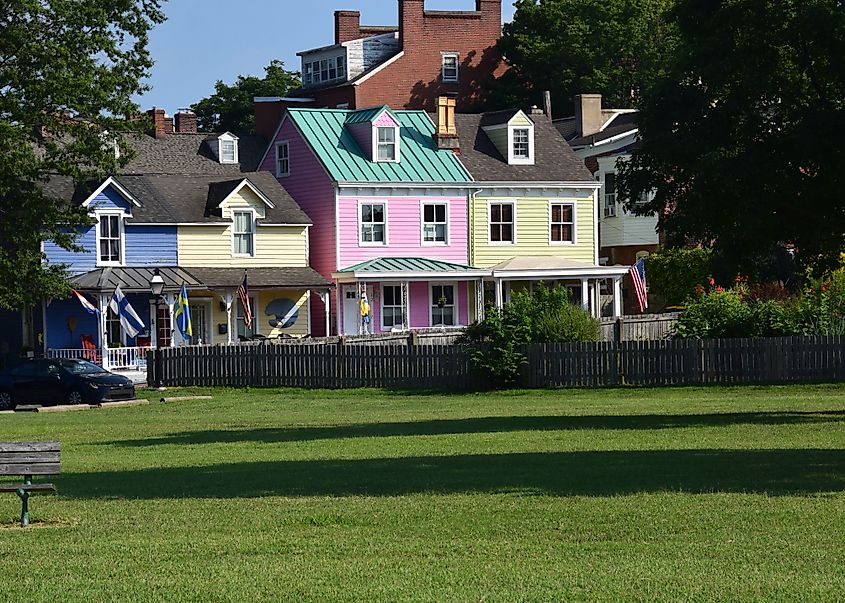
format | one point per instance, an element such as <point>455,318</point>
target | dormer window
<point>109,239</point>
<point>386,144</point>
<point>227,148</point>
<point>521,145</point>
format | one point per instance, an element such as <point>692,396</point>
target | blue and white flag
<point>89,307</point>
<point>129,319</point>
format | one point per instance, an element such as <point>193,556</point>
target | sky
<point>203,41</point>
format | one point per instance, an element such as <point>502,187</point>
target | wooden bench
<point>28,459</point>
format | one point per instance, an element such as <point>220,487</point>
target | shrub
<point>674,274</point>
<point>713,315</point>
<point>546,316</point>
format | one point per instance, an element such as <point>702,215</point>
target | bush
<point>714,315</point>
<point>545,317</point>
<point>674,274</point>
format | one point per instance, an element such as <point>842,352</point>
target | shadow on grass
<point>485,425</point>
<point>602,473</point>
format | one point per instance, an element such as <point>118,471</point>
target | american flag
<point>243,294</point>
<point>640,284</point>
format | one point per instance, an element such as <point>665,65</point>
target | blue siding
<point>77,263</point>
<point>67,313</point>
<point>151,246</point>
<point>109,199</point>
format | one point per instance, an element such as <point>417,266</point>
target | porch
<point>403,294</point>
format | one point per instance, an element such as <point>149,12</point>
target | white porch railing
<point>116,358</point>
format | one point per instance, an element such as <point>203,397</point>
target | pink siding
<point>463,303</point>
<point>363,134</point>
<point>385,120</point>
<point>404,231</point>
<point>311,188</point>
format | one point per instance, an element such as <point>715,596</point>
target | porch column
<point>585,294</point>
<point>479,300</point>
<point>617,297</point>
<point>500,300</point>
<point>406,303</point>
<point>44,345</point>
<point>170,299</point>
<point>326,297</point>
<point>101,321</point>
<point>228,298</point>
<point>594,298</point>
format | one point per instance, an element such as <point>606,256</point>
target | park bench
<point>28,459</point>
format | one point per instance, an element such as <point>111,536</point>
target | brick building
<point>431,53</point>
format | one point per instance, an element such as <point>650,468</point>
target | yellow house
<point>533,215</point>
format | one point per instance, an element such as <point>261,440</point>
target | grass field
<point>615,495</point>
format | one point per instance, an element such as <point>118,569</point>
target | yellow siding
<point>532,232</point>
<point>244,199</point>
<point>520,120</point>
<point>211,247</point>
<point>262,299</point>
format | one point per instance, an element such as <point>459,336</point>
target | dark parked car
<point>60,381</point>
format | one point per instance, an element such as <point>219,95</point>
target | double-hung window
<point>386,144</point>
<point>244,233</point>
<point>282,159</point>
<point>562,223</point>
<point>110,236</point>
<point>341,67</point>
<point>324,70</point>
<point>227,151</point>
<point>392,307</point>
<point>114,330</point>
<point>609,194</point>
<point>501,223</point>
<point>435,223</point>
<point>521,145</point>
<point>442,305</point>
<point>373,226</point>
<point>242,330</point>
<point>450,68</point>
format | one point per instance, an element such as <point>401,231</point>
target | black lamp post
<point>156,287</point>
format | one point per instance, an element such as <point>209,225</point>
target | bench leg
<point>24,496</point>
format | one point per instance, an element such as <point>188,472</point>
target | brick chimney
<point>159,118</point>
<point>491,10</point>
<point>446,136</point>
<point>168,124</point>
<point>588,116</point>
<point>347,25</point>
<point>411,20</point>
<point>186,122</point>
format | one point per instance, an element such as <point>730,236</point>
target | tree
<point>68,71</point>
<point>229,109</point>
<point>613,47</point>
<point>741,140</point>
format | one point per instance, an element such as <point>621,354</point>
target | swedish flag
<point>183,314</point>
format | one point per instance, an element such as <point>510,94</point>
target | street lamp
<point>156,287</point>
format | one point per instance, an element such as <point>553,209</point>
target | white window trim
<point>279,144</point>
<point>405,320</point>
<point>457,58</point>
<point>361,204</point>
<point>456,306</point>
<point>513,159</point>
<point>574,206</point>
<point>490,205</point>
<point>398,153</point>
<point>448,241</point>
<point>234,140</point>
<point>252,213</point>
<point>209,319</point>
<point>121,227</point>
<point>124,336</point>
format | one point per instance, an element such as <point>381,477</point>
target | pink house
<point>388,200</point>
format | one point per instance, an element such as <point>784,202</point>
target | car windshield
<point>80,367</point>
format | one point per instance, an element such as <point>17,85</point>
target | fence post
<point>340,362</point>
<point>618,326</point>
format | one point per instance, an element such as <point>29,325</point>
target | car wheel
<point>74,396</point>
<point>6,402</point>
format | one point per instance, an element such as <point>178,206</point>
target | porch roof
<point>134,280</point>
<point>552,267</point>
<point>262,278</point>
<point>415,268</point>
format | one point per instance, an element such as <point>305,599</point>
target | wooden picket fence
<point>441,366</point>
<point>644,327</point>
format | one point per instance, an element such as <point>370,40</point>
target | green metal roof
<point>408,265</point>
<point>345,161</point>
<point>361,116</point>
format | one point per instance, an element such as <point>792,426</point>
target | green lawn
<point>616,495</point>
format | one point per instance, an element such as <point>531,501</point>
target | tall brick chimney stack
<point>186,122</point>
<point>159,118</point>
<point>347,25</point>
<point>491,11</point>
<point>411,20</point>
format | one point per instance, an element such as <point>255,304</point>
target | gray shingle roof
<point>190,154</point>
<point>262,278</point>
<point>554,160</point>
<point>624,122</point>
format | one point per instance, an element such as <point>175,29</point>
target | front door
<point>351,310</point>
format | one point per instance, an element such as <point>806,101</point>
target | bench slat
<point>27,488</point>
<point>30,446</point>
<point>29,457</point>
<point>30,468</point>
